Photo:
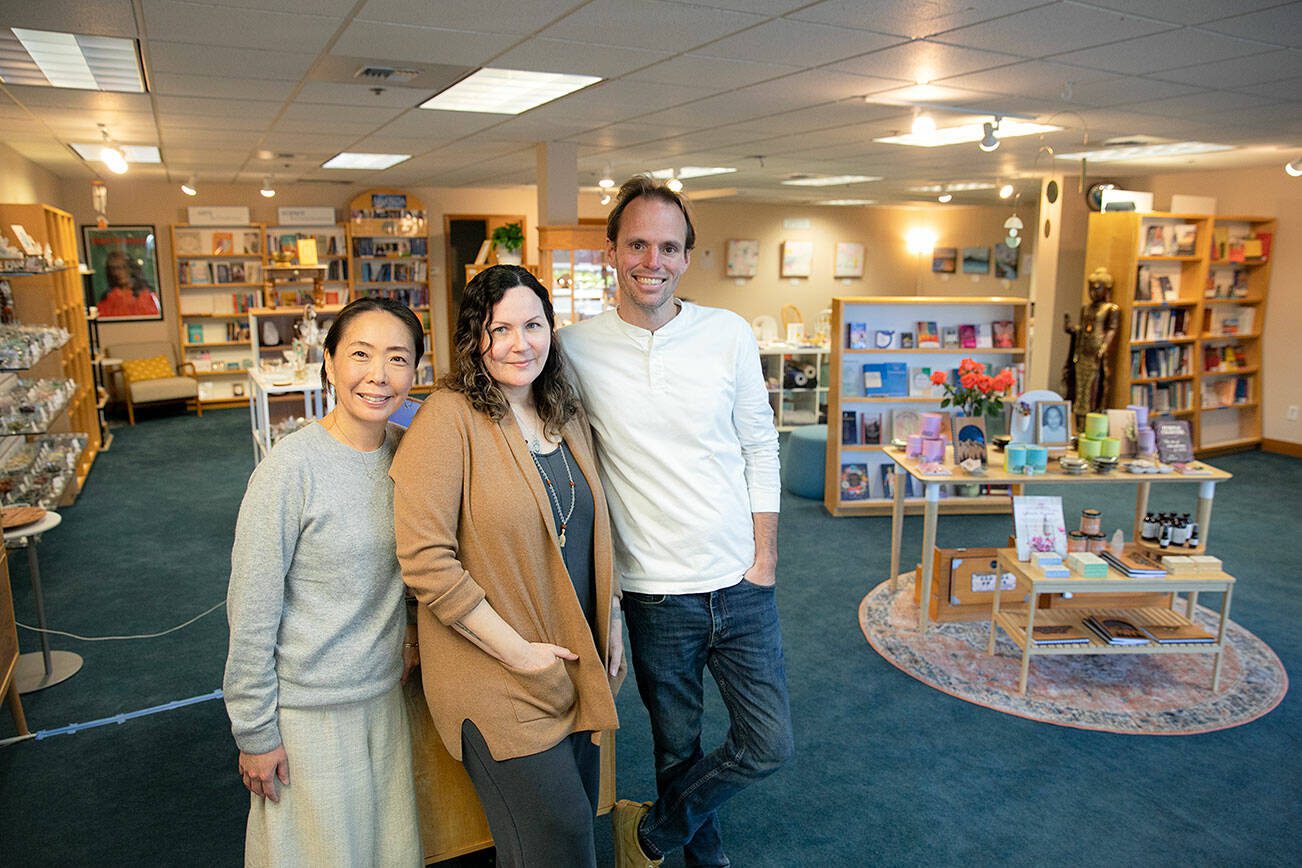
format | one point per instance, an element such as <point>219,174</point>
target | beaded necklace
<point>551,489</point>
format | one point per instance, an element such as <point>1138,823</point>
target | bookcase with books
<point>218,273</point>
<point>389,247</point>
<point>332,245</point>
<point>1192,290</point>
<point>884,351</point>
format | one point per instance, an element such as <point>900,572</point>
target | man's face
<point>650,254</point>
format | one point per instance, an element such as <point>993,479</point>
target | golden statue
<point>1085,376</point>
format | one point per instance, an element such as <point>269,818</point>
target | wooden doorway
<point>464,234</point>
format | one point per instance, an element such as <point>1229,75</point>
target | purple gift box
<point>1141,415</point>
<point>1146,440</point>
<point>931,423</point>
<point>915,446</point>
<point>933,449</point>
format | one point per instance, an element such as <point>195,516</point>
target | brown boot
<point>625,819</point>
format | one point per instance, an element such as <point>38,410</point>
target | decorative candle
<point>914,449</point>
<point>1110,447</point>
<point>933,449</point>
<point>1096,425</point>
<point>1076,541</point>
<point>1014,457</point>
<point>1096,543</point>
<point>1141,414</point>
<point>1088,447</point>
<point>931,423</point>
<point>1091,521</point>
<point>1147,441</point>
<point>1037,457</point>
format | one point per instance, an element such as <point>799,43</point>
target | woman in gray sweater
<point>316,616</point>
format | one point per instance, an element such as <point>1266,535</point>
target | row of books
<point>1170,239</point>
<point>1240,245</point>
<point>1115,630</point>
<point>299,296</point>
<point>1224,357</point>
<point>236,302</point>
<point>392,247</point>
<point>217,242</point>
<point>415,271</point>
<point>1163,397</point>
<point>1225,392</point>
<point>899,380</point>
<point>201,272</point>
<point>197,333</point>
<point>412,297</point>
<point>1159,324</point>
<point>876,481</point>
<point>1134,562</point>
<point>1230,319</point>
<point>1226,283</point>
<point>1157,284</point>
<point>997,334</point>
<point>326,245</point>
<point>1152,362</point>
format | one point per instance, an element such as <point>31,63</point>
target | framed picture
<point>125,284</point>
<point>849,259</point>
<point>1053,423</point>
<point>743,258</point>
<point>970,439</point>
<point>944,260</point>
<point>1005,262</point>
<point>797,258</point>
<point>976,260</point>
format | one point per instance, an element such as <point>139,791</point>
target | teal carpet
<point>887,771</point>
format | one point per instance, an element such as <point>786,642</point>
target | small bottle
<point>1118,544</point>
<point>1179,532</point>
<point>1146,527</point>
<point>1165,539</point>
<point>1193,535</point>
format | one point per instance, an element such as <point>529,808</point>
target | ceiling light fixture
<point>606,181</point>
<point>506,91</point>
<point>675,185</point>
<point>828,180</point>
<point>1294,168</point>
<point>924,125</point>
<point>370,162</point>
<point>267,190</point>
<point>954,187</point>
<point>1142,152</point>
<point>945,198</point>
<point>964,133</point>
<point>846,202</point>
<point>920,240</point>
<point>47,58</point>
<point>113,157</point>
<point>1005,191</point>
<point>989,141</point>
<point>605,198</point>
<point>188,188</point>
<point>90,151</point>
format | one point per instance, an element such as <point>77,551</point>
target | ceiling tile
<point>266,29</point>
<point>64,98</point>
<point>187,58</point>
<point>1174,48</point>
<point>207,121</point>
<point>343,131</point>
<point>421,44</point>
<point>174,84</point>
<point>485,16</point>
<point>360,95</point>
<point>1038,78</point>
<point>723,74</point>
<point>1181,11</point>
<point>191,105</point>
<point>577,58</point>
<point>93,17</point>
<point>1120,90</point>
<point>638,23</point>
<point>439,124</point>
<point>372,116</point>
<point>1279,25</point>
<point>1290,89</point>
<point>624,134</point>
<point>1052,29</point>
<point>614,100</point>
<point>818,43</point>
<point>1199,104</point>
<point>1261,67</point>
<point>923,61</point>
<point>909,17</point>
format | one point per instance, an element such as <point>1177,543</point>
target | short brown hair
<point>644,185</point>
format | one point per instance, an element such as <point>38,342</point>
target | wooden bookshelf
<point>333,243</point>
<point>575,271</point>
<point>1212,289</point>
<point>846,386</point>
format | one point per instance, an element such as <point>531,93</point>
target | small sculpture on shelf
<point>1086,375</point>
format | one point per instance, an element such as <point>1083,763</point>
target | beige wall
<point>1265,192</point>
<point>22,182</point>
<point>162,205</point>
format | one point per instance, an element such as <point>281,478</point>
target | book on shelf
<point>1115,630</point>
<point>1134,562</point>
<point>1252,250</point>
<point>1178,634</point>
<point>949,337</point>
<point>1231,319</point>
<point>904,423</point>
<point>1003,333</point>
<point>886,379</point>
<point>1059,634</point>
<point>1264,240</point>
<point>886,479</point>
<point>906,340</point>
<point>854,482</point>
<point>870,428</point>
<point>223,243</point>
<point>1186,239</point>
<point>1159,239</point>
<point>1038,524</point>
<point>194,333</point>
<point>983,338</point>
<point>1144,284</point>
<point>1220,241</point>
<point>857,336</point>
<point>928,336</point>
<point>920,385</point>
<point>967,336</point>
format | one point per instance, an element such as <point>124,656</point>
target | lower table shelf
<point>1014,624</point>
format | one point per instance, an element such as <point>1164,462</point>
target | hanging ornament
<point>99,201</point>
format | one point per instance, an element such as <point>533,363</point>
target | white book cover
<point>983,337</point>
<point>1039,525</point>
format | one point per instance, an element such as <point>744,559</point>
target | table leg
<point>38,596</point>
<point>897,526</point>
<point>1026,651</point>
<point>16,708</point>
<point>1141,507</point>
<point>994,608</point>
<point>1220,639</point>
<point>928,549</point>
<point>1191,605</point>
<point>1206,491</point>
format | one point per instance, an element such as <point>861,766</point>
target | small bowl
<point>1000,442</point>
<point>1105,465</point>
<point>1073,466</point>
<point>900,444</point>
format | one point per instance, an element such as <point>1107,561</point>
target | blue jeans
<point>673,637</point>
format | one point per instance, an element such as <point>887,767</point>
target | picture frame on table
<point>1053,423</point>
<point>125,284</point>
<point>970,439</point>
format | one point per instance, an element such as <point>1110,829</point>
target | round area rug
<point>1148,694</point>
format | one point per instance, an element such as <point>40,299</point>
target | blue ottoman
<point>804,461</point>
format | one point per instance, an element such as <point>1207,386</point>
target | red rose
<point>938,378</point>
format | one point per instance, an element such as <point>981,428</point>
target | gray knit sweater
<point>315,600</point>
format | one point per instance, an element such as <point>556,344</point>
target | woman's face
<point>372,367</point>
<point>116,270</point>
<point>1052,417</point>
<point>517,340</point>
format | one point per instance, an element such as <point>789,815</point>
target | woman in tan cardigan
<point>504,538</point>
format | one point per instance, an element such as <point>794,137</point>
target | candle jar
<point>1037,457</point>
<point>1096,425</point>
<point>1014,457</point>
<point>1109,447</point>
<point>931,424</point>
<point>1076,542</point>
<point>914,449</point>
<point>1088,448</point>
<point>1096,543</point>
<point>1091,521</point>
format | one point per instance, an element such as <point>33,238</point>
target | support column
<point>1043,238</point>
<point>558,183</point>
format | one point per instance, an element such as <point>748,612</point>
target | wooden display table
<point>996,475</point>
<point>1019,625</point>
<point>317,401</point>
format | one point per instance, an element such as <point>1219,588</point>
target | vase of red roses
<point>976,393</point>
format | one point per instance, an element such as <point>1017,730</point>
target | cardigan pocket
<point>541,694</point>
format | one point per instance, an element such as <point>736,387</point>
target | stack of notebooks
<point>1134,562</point>
<point>1059,634</point>
<point>1119,631</point>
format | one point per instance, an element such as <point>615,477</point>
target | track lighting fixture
<point>267,190</point>
<point>923,124</point>
<point>945,198</point>
<point>188,188</point>
<point>1005,191</point>
<point>113,157</point>
<point>1294,168</point>
<point>606,181</point>
<point>990,142</point>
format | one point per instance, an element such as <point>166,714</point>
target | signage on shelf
<point>306,216</point>
<point>218,215</point>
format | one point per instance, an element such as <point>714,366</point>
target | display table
<point>316,403</point>
<point>1020,625</point>
<point>996,475</point>
<point>37,671</point>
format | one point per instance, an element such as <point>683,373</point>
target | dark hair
<point>644,185</point>
<point>553,396</point>
<point>356,308</point>
<point>135,272</point>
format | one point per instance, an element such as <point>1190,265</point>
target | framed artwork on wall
<point>743,258</point>
<point>944,260</point>
<point>976,260</point>
<point>849,259</point>
<point>124,286</point>
<point>1005,262</point>
<point>797,258</point>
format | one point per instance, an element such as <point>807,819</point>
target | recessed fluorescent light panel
<point>967,133</point>
<point>506,91</point>
<point>1143,152</point>
<point>135,153</point>
<point>46,58</point>
<point>956,187</point>
<point>847,202</point>
<point>829,180</point>
<point>686,173</point>
<point>373,162</point>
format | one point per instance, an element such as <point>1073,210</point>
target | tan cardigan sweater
<point>473,521</point>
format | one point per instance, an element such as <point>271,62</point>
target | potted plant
<point>508,242</point>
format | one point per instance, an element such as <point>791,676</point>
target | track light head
<point>989,142</point>
<point>945,198</point>
<point>188,188</point>
<point>1294,168</point>
<point>267,190</point>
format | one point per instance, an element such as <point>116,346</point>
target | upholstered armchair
<point>150,375</point>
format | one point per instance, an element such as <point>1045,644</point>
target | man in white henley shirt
<point>689,460</point>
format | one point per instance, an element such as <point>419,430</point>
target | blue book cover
<point>886,379</point>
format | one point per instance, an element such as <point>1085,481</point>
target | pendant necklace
<point>551,489</point>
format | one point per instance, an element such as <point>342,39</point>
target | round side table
<point>37,670</point>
